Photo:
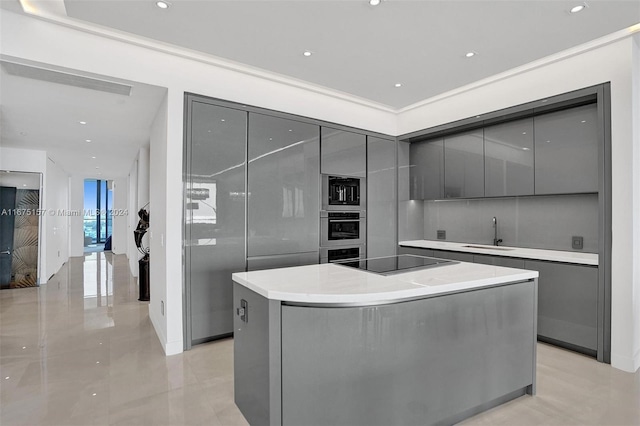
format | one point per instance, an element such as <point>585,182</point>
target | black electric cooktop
<point>396,264</point>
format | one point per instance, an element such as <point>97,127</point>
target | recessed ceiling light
<point>583,121</point>
<point>374,2</point>
<point>163,4</point>
<point>524,133</point>
<point>291,130</point>
<point>93,157</point>
<point>307,53</point>
<point>24,184</point>
<point>470,54</point>
<point>578,8</point>
<point>87,140</point>
<point>525,149</point>
<point>222,119</point>
<point>82,122</point>
<point>398,84</point>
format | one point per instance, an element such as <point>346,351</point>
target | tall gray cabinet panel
<point>508,161</point>
<point>214,216</point>
<point>283,187</point>
<point>381,197</point>
<point>464,165</point>
<point>566,151</point>
<point>343,153</point>
<point>427,170</point>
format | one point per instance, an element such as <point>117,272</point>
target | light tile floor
<point>81,350</point>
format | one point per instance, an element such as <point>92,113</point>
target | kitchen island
<point>334,345</point>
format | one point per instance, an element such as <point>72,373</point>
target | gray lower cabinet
<point>343,153</point>
<point>509,262</point>
<point>453,255</point>
<point>567,304</point>
<point>415,250</point>
<point>464,165</point>
<point>214,217</point>
<point>426,172</point>
<point>566,151</point>
<point>283,187</point>
<point>421,362</point>
<point>382,199</point>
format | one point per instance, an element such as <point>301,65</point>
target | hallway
<point>81,350</point>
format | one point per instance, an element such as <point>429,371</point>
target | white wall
<point>158,243</point>
<point>132,252</point>
<point>613,63</point>
<point>76,223</point>
<point>120,216</point>
<point>636,199</point>
<point>56,226</point>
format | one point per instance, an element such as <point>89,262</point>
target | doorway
<point>98,220</point>
<point>20,217</point>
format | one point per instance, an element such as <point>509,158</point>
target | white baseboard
<point>625,363</point>
<point>170,348</point>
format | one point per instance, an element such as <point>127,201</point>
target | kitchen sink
<point>490,248</point>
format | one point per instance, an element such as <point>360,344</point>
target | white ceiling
<point>357,49</point>
<point>46,116</point>
<point>364,50</point>
<point>20,180</point>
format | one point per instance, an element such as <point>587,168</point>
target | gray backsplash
<point>532,222</point>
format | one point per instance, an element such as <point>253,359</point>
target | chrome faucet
<point>496,240</point>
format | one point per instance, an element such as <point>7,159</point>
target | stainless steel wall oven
<point>342,228</point>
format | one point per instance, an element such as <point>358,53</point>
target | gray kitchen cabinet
<point>567,304</point>
<point>509,262</point>
<point>508,158</point>
<point>382,198</point>
<point>427,170</point>
<point>566,151</point>
<point>281,261</point>
<point>415,250</point>
<point>464,165</point>
<point>214,216</point>
<point>283,186</point>
<point>343,153</point>
<point>453,255</point>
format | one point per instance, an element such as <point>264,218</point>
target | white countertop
<point>524,253</point>
<point>330,283</point>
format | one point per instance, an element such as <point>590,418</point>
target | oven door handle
<point>343,220</point>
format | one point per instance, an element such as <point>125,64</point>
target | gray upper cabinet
<point>427,170</point>
<point>214,215</point>
<point>464,165</point>
<point>508,158</point>
<point>381,197</point>
<point>343,153</point>
<point>566,151</point>
<point>283,186</point>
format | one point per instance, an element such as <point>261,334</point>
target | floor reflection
<point>81,349</point>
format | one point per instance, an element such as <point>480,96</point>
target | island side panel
<point>425,361</point>
<point>256,354</point>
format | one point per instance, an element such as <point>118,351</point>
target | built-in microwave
<point>342,228</point>
<point>343,192</point>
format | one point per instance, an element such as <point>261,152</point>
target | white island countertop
<point>576,257</point>
<point>336,284</point>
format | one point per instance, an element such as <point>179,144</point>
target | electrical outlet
<point>577,243</point>
<point>162,307</point>
<point>442,235</point>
